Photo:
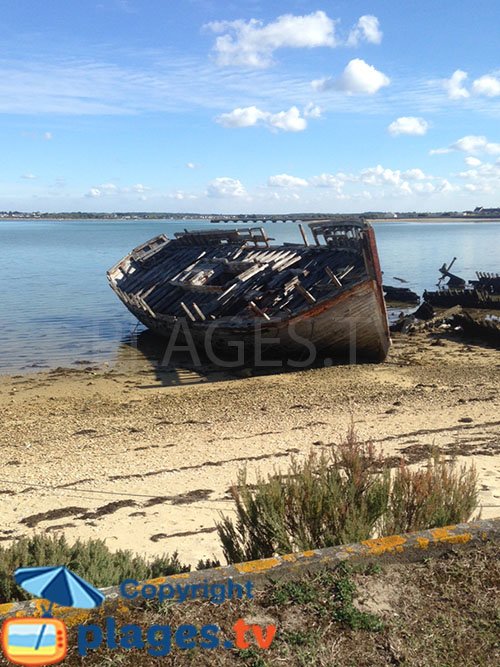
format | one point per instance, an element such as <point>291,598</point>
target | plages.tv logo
<point>44,641</point>
<point>34,641</point>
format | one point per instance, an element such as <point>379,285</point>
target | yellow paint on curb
<point>423,542</point>
<point>257,565</point>
<point>307,554</point>
<point>382,545</point>
<point>443,533</point>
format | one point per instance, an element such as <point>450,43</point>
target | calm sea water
<point>57,308</point>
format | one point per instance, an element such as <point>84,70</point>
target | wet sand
<point>144,459</point>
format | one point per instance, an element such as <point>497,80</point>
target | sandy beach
<point>144,459</point>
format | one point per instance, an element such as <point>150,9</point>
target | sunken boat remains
<point>481,293</point>
<point>223,288</point>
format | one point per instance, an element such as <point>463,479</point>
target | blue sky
<point>198,105</point>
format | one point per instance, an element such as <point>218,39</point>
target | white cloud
<point>328,181</point>
<point>487,85</point>
<point>226,187</point>
<point>288,121</point>
<point>180,195</point>
<point>242,117</point>
<point>286,181</point>
<point>29,176</point>
<point>408,125</point>
<point>454,87</point>
<point>140,188</point>
<point>48,136</point>
<point>472,161</point>
<point>191,165</point>
<point>471,143</point>
<point>415,175</point>
<point>312,111</point>
<point>439,151</point>
<point>476,144</point>
<point>358,78</point>
<point>252,43</point>
<point>367,30</point>
<point>110,189</point>
<point>483,178</point>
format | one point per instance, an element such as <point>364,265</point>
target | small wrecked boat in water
<point>222,288</point>
<point>481,293</point>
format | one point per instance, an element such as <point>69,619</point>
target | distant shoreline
<point>439,220</point>
<point>426,220</point>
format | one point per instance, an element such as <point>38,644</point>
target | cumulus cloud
<point>334,182</point>
<point>472,161</point>
<point>288,121</point>
<point>454,85</point>
<point>312,111</point>
<point>253,43</point>
<point>180,195</point>
<point>366,30</point>
<point>29,176</point>
<point>476,144</point>
<point>358,78</point>
<point>48,136</point>
<point>415,175</point>
<point>473,144</point>
<point>483,178</point>
<point>191,165</point>
<point>226,187</point>
<point>286,181</point>
<point>408,125</point>
<point>487,85</point>
<point>109,189</point>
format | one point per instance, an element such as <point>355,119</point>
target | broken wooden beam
<point>332,276</point>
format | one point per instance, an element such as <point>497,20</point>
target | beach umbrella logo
<point>32,641</point>
<point>59,586</point>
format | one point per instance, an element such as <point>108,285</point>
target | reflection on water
<point>57,308</point>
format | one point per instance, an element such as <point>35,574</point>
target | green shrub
<point>330,498</point>
<point>345,494</point>
<point>438,495</point>
<point>90,559</point>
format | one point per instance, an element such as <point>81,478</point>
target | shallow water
<point>57,307</point>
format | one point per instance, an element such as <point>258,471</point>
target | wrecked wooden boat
<point>221,289</point>
<point>484,292</point>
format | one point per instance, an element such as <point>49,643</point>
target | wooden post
<point>304,237</point>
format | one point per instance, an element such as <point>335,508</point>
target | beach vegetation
<point>344,493</point>
<point>90,559</point>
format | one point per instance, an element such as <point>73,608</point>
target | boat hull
<point>351,326</point>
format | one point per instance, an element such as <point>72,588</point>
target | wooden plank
<point>258,311</point>
<point>305,293</point>
<point>187,311</point>
<point>332,276</point>
<point>198,310</point>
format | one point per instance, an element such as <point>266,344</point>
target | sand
<point>144,459</point>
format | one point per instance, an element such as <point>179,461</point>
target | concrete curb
<point>410,547</point>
